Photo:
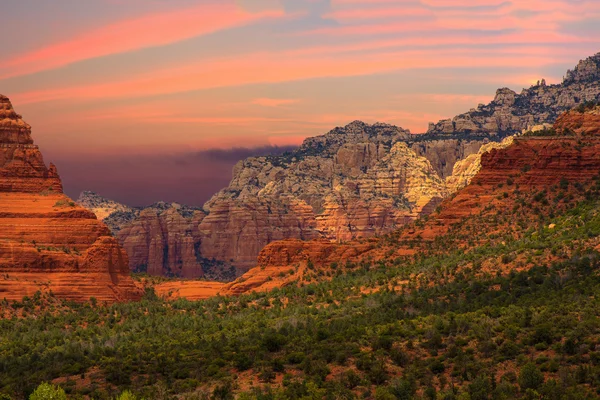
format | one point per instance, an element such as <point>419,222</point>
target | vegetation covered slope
<point>515,317</point>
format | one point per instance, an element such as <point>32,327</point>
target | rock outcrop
<point>161,240</point>
<point>583,122</point>
<point>103,207</point>
<point>164,242</point>
<point>510,113</point>
<point>443,154</point>
<point>526,165</point>
<point>47,242</point>
<point>22,167</point>
<point>355,181</point>
<point>466,169</point>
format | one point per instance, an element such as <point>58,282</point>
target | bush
<point>127,395</point>
<point>47,391</point>
<point>530,377</point>
<point>403,389</point>
<point>480,388</point>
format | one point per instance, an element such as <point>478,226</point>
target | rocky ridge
<point>510,112</point>
<point>103,207</point>
<point>47,242</point>
<point>355,181</point>
<point>466,169</point>
<point>530,166</point>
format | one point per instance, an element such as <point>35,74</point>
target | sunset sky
<point>127,96</point>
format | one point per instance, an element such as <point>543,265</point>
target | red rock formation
<point>530,163</point>
<point>22,168</point>
<point>47,242</point>
<point>191,290</point>
<point>585,123</point>
<point>237,232</point>
<point>353,182</point>
<point>163,243</point>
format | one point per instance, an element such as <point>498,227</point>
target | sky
<point>131,98</point>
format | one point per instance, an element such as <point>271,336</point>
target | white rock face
<point>511,113</point>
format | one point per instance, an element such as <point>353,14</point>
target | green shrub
<point>47,391</point>
<point>530,377</point>
<point>127,395</point>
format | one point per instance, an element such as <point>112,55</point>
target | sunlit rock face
<point>355,181</point>
<point>512,112</point>
<point>47,242</point>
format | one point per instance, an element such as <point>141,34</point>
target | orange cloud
<point>282,67</point>
<point>357,13</point>
<point>146,31</point>
<point>443,15</point>
<point>267,102</point>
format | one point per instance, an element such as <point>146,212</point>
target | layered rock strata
<point>47,242</point>
<point>356,181</point>
<point>162,239</point>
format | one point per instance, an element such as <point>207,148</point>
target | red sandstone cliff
<point>47,242</point>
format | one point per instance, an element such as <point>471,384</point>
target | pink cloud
<point>281,67</point>
<point>267,102</point>
<point>129,35</point>
<point>365,18</point>
<point>462,3</point>
<point>370,13</point>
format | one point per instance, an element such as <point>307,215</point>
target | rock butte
<point>47,242</point>
<point>533,163</point>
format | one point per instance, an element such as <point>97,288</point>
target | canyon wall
<point>355,181</point>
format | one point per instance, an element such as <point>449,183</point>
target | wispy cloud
<point>150,30</point>
<point>277,67</point>
<point>267,102</point>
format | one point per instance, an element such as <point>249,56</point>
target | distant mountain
<point>512,112</point>
<point>355,181</point>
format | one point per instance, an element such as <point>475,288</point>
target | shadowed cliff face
<point>512,112</point>
<point>47,242</point>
